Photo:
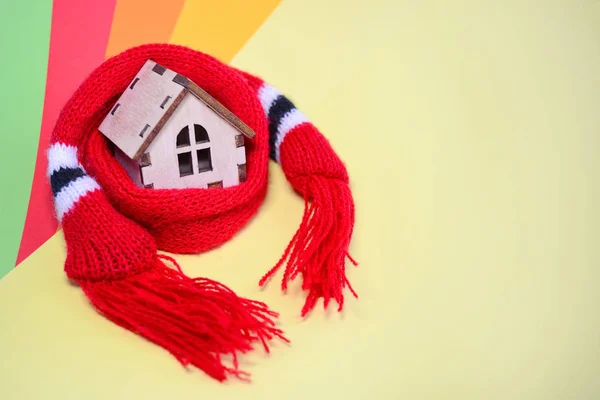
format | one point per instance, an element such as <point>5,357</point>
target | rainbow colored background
<point>470,132</point>
<point>44,74</point>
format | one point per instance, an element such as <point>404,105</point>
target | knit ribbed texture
<point>113,228</point>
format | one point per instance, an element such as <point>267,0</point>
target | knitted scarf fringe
<point>319,248</point>
<point>197,320</point>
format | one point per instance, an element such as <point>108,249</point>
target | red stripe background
<point>78,42</point>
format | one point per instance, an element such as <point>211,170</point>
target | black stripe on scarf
<point>61,178</point>
<point>280,107</point>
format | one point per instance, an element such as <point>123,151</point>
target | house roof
<point>147,104</point>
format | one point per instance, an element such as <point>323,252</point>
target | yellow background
<point>471,133</point>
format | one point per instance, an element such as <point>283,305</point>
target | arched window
<point>201,134</point>
<point>183,137</point>
<point>186,150</point>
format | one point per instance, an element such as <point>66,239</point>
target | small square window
<point>185,164</point>
<point>204,161</point>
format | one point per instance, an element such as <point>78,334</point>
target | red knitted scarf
<point>113,228</point>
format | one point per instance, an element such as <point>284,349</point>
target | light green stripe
<point>24,43</point>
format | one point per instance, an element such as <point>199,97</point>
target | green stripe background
<point>24,44</point>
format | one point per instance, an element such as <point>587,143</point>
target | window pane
<point>183,137</point>
<point>185,164</point>
<point>204,161</point>
<point>201,134</point>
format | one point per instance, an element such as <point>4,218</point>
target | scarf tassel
<point>197,320</point>
<point>319,248</point>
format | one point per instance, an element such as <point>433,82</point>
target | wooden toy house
<point>169,133</point>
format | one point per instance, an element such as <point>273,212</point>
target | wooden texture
<point>219,109</point>
<point>140,105</point>
<point>152,104</point>
<point>159,125</point>
<point>163,170</point>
